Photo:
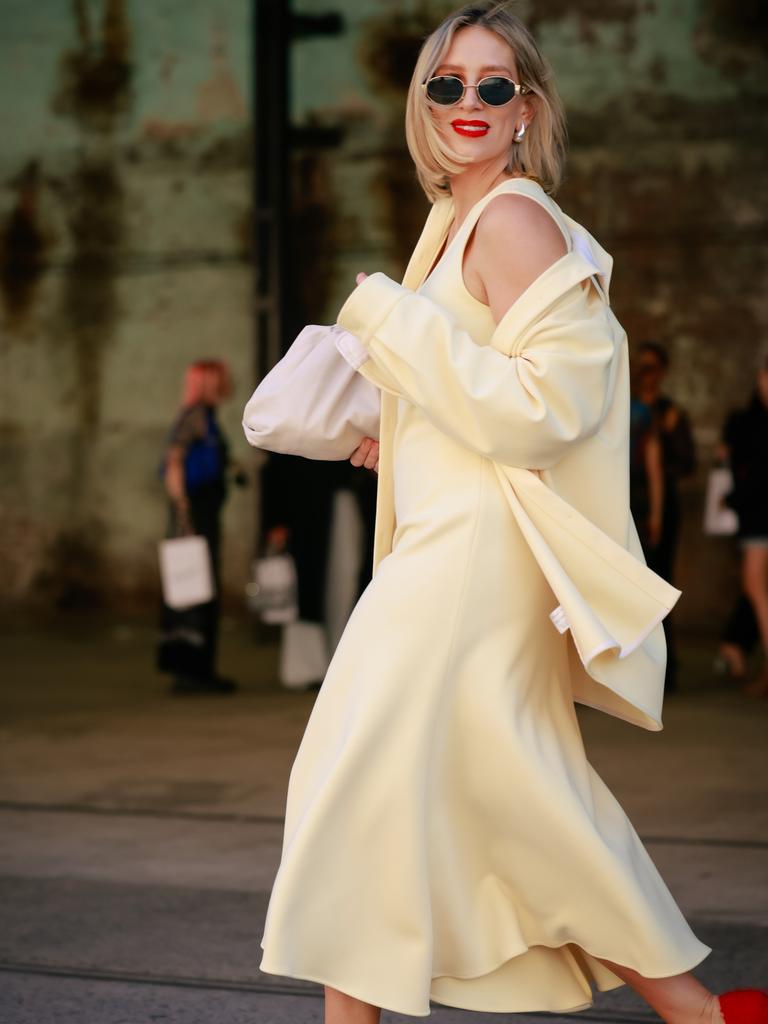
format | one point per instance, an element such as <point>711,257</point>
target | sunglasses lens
<point>496,91</point>
<point>445,89</point>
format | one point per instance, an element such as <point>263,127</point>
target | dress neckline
<point>445,249</point>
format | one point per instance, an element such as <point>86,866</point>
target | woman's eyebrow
<point>487,67</point>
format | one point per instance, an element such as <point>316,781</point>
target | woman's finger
<point>372,457</point>
<point>358,455</point>
<point>360,277</point>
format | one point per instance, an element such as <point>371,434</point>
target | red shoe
<point>744,1006</point>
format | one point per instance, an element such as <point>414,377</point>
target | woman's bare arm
<point>174,475</point>
<point>514,242</point>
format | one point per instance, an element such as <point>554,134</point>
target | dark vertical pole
<point>271,170</point>
<point>270,80</point>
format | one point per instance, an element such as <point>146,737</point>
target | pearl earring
<point>520,133</point>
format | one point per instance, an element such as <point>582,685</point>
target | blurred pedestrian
<point>331,540</point>
<point>195,469</point>
<point>678,450</point>
<point>646,476</point>
<point>678,460</point>
<point>739,639</point>
<point>745,438</point>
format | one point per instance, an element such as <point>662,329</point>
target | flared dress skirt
<point>446,837</point>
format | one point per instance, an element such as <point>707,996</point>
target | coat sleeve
<point>521,410</point>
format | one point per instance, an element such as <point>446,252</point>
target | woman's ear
<point>527,112</point>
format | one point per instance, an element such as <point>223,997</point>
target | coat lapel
<point>423,256</point>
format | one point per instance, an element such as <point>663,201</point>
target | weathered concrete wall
<point>124,226</point>
<point>124,218</point>
<point>666,108</point>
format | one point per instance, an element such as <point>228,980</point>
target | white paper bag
<point>719,519</point>
<point>185,571</point>
<point>312,402</point>
<point>273,590</point>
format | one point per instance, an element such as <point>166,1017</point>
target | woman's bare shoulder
<point>516,241</point>
<point>511,222</point>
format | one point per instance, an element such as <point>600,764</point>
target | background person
<point>646,474</point>
<point>672,426</point>
<point>323,513</point>
<point>739,639</point>
<point>678,450</point>
<point>745,437</point>
<point>195,467</point>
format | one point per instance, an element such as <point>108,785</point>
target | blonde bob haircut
<point>541,154</point>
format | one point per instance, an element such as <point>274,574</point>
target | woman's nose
<point>470,100</point>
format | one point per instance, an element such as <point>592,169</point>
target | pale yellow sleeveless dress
<point>445,835</point>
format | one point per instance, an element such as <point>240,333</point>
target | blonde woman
<point>446,837</point>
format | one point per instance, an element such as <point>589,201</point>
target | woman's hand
<point>366,454</point>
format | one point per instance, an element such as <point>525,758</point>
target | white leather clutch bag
<point>312,402</point>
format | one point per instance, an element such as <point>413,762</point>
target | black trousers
<point>189,638</point>
<point>742,628</point>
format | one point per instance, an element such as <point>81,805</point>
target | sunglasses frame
<point>520,90</point>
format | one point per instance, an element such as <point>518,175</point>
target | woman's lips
<point>470,129</point>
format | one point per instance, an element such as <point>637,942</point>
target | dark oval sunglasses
<point>494,90</point>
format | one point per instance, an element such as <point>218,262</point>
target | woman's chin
<point>476,153</point>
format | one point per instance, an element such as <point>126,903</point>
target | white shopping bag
<point>273,590</point>
<point>719,519</point>
<point>185,571</point>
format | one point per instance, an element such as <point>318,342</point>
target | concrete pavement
<point>139,833</point>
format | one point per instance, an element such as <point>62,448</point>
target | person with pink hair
<point>195,474</point>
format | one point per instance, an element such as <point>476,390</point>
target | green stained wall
<point>124,227</point>
<point>125,207</point>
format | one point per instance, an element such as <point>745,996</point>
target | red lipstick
<point>470,129</point>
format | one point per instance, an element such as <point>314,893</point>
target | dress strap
<point>518,186</point>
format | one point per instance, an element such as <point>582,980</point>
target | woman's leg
<point>678,999</point>
<point>755,582</point>
<point>343,1009</point>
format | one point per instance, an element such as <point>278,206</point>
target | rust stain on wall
<point>733,36</point>
<point>74,572</point>
<point>312,236</point>
<point>23,244</point>
<point>390,44</point>
<point>387,53</point>
<point>95,77</point>
<point>89,299</point>
<point>590,15</point>
<point>94,89</point>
